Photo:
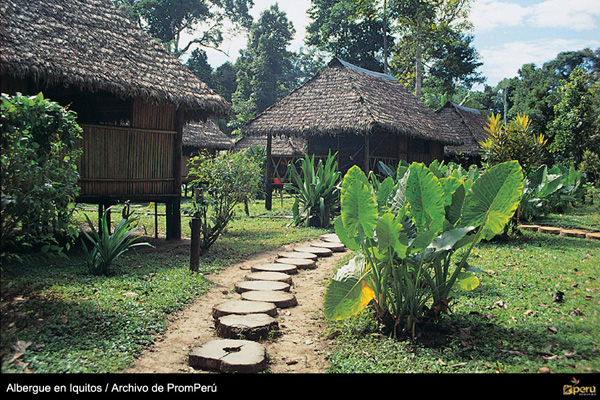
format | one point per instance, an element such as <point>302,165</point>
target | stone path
<point>577,233</point>
<point>242,325</point>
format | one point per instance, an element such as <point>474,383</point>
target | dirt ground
<point>301,346</point>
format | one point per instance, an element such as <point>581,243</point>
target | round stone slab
<point>549,229</point>
<point>297,254</point>
<point>269,276</point>
<point>329,237</point>
<point>246,286</point>
<point>275,267</point>
<point>279,298</point>
<point>229,355</point>
<point>330,245</point>
<point>249,326</point>
<point>244,307</point>
<point>319,251</point>
<point>301,263</point>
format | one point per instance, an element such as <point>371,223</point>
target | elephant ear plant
<point>413,236</point>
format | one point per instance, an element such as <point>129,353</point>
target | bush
<point>39,172</point>
<point>516,141</point>
<point>315,190</point>
<point>221,183</point>
<point>106,246</point>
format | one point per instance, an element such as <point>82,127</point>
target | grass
<point>58,318</point>
<point>510,324</point>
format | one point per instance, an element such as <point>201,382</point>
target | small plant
<point>107,246</point>
<point>406,234</point>
<point>316,191</point>
<point>222,182</point>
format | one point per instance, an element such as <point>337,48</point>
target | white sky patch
<point>577,15</point>
<point>505,60</point>
<point>487,15</point>
<point>573,14</point>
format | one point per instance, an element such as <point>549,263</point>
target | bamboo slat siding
<point>126,161</point>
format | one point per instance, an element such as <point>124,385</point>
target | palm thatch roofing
<point>281,146</point>
<point>469,123</point>
<point>91,45</point>
<point>206,135</point>
<point>342,99</point>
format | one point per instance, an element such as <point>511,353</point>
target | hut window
<point>419,146</point>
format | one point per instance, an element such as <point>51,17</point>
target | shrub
<point>39,172</point>
<point>221,183</point>
<point>107,246</point>
<point>315,189</point>
<point>516,141</point>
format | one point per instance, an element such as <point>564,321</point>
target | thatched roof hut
<point>131,96</point>
<point>470,124</point>
<point>343,98</point>
<point>205,135</point>
<point>94,47</point>
<point>281,146</point>
<point>362,115</point>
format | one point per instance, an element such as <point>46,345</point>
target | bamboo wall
<point>119,161</point>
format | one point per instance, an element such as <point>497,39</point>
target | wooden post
<point>173,206</point>
<point>367,155</point>
<point>269,177</point>
<point>195,244</point>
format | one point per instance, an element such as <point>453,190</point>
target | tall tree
<point>419,27</point>
<point>348,29</point>
<point>198,64</point>
<point>573,129</point>
<point>204,20</point>
<point>263,68</point>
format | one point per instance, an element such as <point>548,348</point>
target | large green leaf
<point>342,234</point>
<point>391,236</point>
<point>347,292</point>
<point>493,198</point>
<point>358,207</point>
<point>426,198</point>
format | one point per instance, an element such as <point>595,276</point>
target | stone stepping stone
<point>319,251</point>
<point>534,228</point>
<point>229,355</point>
<point>573,233</point>
<point>246,286</point>
<point>593,235</point>
<point>275,267</point>
<point>242,307</point>
<point>549,229</point>
<point>269,276</point>
<point>297,254</point>
<point>330,237</point>
<point>333,246</point>
<point>279,298</point>
<point>249,326</point>
<point>300,263</point>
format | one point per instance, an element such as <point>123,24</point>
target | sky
<point>507,33</point>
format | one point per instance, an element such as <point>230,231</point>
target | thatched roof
<point>206,135</point>
<point>469,123</point>
<point>343,99</point>
<point>281,146</point>
<point>91,45</point>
